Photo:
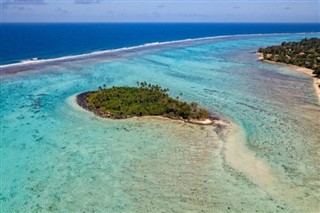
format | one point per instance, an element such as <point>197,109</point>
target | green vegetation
<point>146,99</point>
<point>305,53</point>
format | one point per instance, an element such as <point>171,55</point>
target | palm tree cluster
<point>305,53</point>
<point>146,99</point>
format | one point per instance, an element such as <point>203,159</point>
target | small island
<point>304,54</point>
<point>144,100</point>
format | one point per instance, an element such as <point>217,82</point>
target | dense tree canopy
<point>146,99</point>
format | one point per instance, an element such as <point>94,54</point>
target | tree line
<point>305,53</point>
<point>146,99</point>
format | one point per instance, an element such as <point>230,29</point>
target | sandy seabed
<point>200,160</point>
<point>316,81</point>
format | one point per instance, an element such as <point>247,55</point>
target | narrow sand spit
<point>244,160</point>
<point>238,155</point>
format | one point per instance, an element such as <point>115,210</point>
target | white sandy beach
<point>316,81</point>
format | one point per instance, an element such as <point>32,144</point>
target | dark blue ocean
<point>25,41</point>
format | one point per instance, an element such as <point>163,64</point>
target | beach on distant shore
<point>316,81</point>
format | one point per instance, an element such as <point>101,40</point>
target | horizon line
<point>75,22</point>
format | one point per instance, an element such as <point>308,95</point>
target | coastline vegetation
<point>305,53</point>
<point>144,100</point>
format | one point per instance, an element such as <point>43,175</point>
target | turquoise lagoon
<point>58,157</point>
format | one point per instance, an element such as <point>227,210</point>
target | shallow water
<point>55,157</point>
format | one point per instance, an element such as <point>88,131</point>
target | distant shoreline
<point>80,99</point>
<point>316,81</point>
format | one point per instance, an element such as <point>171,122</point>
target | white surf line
<point>153,44</point>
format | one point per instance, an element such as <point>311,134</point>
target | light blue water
<point>55,157</point>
